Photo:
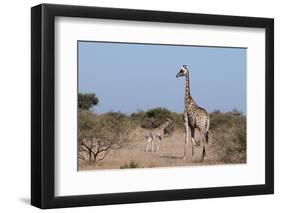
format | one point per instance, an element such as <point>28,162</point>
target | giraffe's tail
<point>207,129</point>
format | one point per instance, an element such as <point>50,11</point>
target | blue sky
<point>132,77</point>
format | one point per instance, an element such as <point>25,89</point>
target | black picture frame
<point>43,105</point>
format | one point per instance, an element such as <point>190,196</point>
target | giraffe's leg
<point>204,155</point>
<point>159,143</point>
<point>186,140</point>
<point>152,142</point>
<point>164,147</point>
<point>147,145</point>
<point>192,129</point>
<point>206,144</point>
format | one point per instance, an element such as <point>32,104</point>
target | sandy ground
<point>171,156</point>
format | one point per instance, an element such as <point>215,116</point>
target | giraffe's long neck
<point>164,125</point>
<point>187,92</point>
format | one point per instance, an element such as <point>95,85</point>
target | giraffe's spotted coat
<point>156,133</point>
<point>195,117</point>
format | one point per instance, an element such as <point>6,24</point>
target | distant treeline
<point>152,118</point>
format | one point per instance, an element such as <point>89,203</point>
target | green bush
<point>159,113</point>
<point>137,115</point>
<point>151,122</point>
<point>155,117</point>
<point>218,120</point>
<point>131,165</point>
<point>178,121</point>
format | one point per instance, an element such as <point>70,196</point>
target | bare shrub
<point>98,135</point>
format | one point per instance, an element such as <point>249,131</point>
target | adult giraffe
<point>194,116</point>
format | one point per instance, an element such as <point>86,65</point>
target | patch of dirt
<point>171,156</point>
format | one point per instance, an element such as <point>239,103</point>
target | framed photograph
<point>139,106</point>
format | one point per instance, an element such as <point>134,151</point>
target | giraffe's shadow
<point>171,157</point>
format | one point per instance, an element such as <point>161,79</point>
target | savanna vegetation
<point>229,136</point>
<point>116,140</point>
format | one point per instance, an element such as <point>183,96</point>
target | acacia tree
<point>86,101</point>
<point>86,122</point>
<point>98,135</point>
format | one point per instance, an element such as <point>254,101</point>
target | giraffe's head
<point>183,71</point>
<point>169,121</point>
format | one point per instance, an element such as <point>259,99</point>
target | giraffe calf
<point>156,134</point>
